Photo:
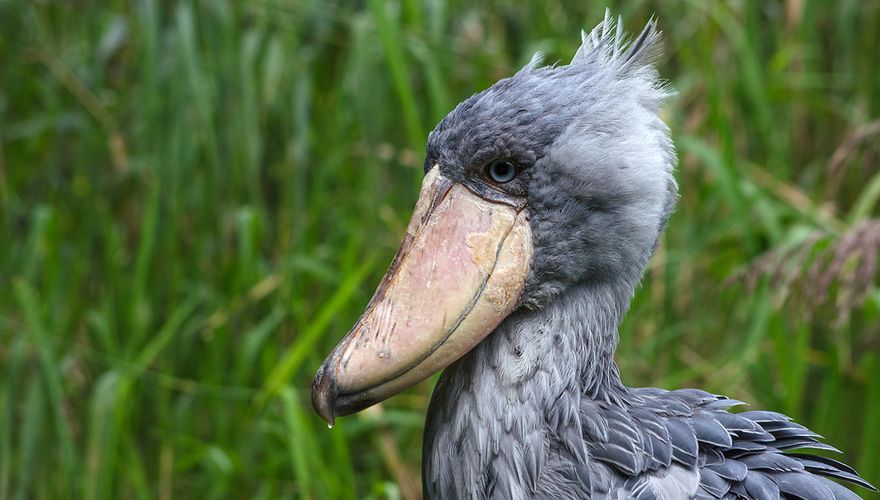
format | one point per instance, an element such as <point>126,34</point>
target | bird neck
<point>521,389</point>
<point>572,339</point>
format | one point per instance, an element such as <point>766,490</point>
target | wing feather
<point>736,455</point>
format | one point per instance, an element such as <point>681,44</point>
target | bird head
<point>556,176</point>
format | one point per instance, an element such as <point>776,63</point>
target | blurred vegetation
<point>197,198</point>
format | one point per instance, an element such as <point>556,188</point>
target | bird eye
<point>501,171</point>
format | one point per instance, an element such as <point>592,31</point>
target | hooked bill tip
<point>324,395</point>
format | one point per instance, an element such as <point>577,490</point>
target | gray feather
<point>840,492</point>
<point>713,484</point>
<point>801,485</point>
<point>711,432</point>
<point>683,440</point>
<point>772,462</point>
<point>730,469</point>
<point>832,468</point>
<point>537,409</point>
<point>760,487</point>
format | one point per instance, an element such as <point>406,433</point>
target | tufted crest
<point>607,43</point>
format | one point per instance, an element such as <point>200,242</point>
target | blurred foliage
<point>197,198</point>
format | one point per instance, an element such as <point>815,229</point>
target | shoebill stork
<point>544,196</point>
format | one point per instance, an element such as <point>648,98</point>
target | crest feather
<point>608,44</point>
<point>534,63</point>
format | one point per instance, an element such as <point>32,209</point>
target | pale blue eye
<point>501,171</point>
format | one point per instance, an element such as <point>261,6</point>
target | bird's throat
<point>520,390</point>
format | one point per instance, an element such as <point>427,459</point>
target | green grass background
<point>197,198</point>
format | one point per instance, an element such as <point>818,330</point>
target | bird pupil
<point>501,171</point>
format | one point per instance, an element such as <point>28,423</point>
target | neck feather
<point>519,391</point>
